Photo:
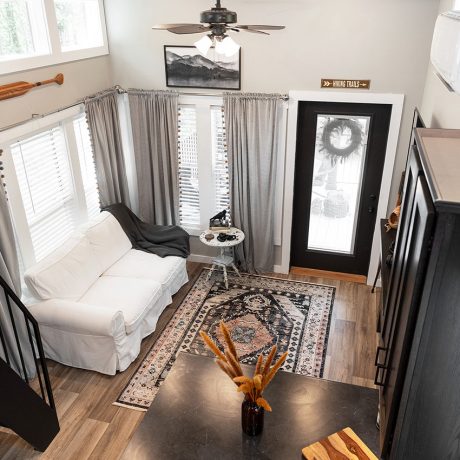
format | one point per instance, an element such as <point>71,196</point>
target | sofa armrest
<point>78,317</point>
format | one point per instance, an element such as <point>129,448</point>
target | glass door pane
<point>340,154</point>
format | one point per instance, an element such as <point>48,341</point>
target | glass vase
<point>252,418</point>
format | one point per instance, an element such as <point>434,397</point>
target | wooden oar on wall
<point>20,88</point>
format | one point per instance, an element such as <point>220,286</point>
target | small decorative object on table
<point>254,405</point>
<point>393,220</point>
<point>220,222</point>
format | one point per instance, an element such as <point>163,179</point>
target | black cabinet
<point>418,360</point>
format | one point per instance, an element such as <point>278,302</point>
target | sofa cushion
<point>108,240</point>
<point>144,265</point>
<point>66,273</point>
<point>134,297</point>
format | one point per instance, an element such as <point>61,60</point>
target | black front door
<point>339,163</point>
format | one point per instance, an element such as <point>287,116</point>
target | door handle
<point>371,209</point>
<point>379,376</point>
<point>377,355</point>
<point>380,371</point>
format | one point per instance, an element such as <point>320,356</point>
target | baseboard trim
<point>208,260</point>
<point>361,279</point>
<point>200,259</point>
<point>279,269</point>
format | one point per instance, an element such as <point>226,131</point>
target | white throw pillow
<point>108,240</point>
<point>67,273</point>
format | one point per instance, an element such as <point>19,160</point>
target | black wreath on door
<point>341,125</point>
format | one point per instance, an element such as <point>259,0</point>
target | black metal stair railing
<point>15,384</point>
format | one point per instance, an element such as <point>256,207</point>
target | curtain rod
<point>189,93</point>
<point>38,116</point>
<point>119,89</point>
<point>183,93</point>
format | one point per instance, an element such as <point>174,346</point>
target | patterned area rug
<point>259,311</point>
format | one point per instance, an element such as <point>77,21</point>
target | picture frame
<point>186,67</point>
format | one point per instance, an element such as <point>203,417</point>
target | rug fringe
<point>128,406</point>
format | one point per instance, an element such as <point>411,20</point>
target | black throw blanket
<point>162,240</point>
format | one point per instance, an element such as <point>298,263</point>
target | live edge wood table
<point>197,415</point>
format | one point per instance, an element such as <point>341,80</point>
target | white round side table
<point>223,260</point>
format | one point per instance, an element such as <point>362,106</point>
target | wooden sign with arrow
<point>345,84</point>
<point>20,88</point>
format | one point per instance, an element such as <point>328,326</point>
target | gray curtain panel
<point>253,123</point>
<point>154,120</point>
<point>104,126</point>
<point>9,271</point>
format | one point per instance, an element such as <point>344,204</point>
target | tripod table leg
<point>210,272</point>
<point>225,277</point>
<point>236,270</point>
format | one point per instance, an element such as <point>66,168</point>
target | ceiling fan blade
<point>253,31</point>
<point>189,29</point>
<point>260,27</point>
<point>169,26</point>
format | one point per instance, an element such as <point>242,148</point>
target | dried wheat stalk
<point>233,363</point>
<point>226,368</point>
<point>228,340</point>
<point>274,369</point>
<point>229,363</point>
<point>258,369</point>
<point>208,341</point>
<point>270,357</point>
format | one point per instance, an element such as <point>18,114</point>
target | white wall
<point>440,107</point>
<point>385,41</point>
<point>80,79</point>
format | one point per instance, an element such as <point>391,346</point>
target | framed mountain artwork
<point>186,67</point>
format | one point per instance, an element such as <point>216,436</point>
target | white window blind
<point>88,168</point>
<point>46,186</point>
<point>189,196</point>
<point>220,160</point>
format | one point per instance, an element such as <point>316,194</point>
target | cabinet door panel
<point>413,258</point>
<point>413,171</point>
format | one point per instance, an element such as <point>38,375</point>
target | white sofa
<point>96,297</point>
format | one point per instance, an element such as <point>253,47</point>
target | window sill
<point>193,231</point>
<point>35,62</point>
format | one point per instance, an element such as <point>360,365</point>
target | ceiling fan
<point>216,22</point>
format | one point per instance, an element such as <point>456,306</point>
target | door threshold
<point>360,279</point>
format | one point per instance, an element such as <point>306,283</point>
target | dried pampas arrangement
<point>228,361</point>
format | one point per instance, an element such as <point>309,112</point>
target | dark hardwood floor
<point>92,428</point>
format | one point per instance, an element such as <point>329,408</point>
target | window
<point>220,161</point>
<point>45,181</point>
<point>457,5</point>
<point>23,30</point>
<point>36,33</point>
<point>203,166</point>
<point>189,201</point>
<point>51,183</point>
<point>79,24</point>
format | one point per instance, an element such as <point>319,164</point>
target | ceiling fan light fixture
<point>230,47</point>
<point>226,46</point>
<point>203,44</point>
